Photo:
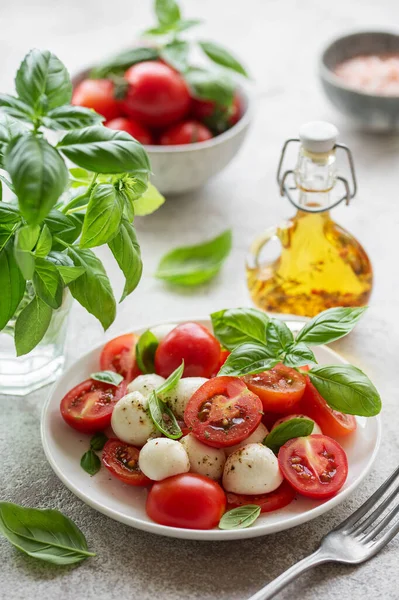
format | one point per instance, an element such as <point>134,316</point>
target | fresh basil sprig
<point>330,325</point>
<point>234,326</point>
<point>107,377</point>
<point>347,389</point>
<point>57,215</point>
<point>247,359</point>
<point>98,441</point>
<point>145,352</point>
<point>194,265</point>
<point>163,418</point>
<point>293,428</point>
<point>240,517</point>
<point>90,462</point>
<point>44,534</point>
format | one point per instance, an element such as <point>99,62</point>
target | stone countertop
<point>280,41</point>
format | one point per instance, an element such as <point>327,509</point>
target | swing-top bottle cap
<point>318,136</point>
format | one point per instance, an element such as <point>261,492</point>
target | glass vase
<point>20,375</point>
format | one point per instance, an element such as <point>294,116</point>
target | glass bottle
<point>320,265</point>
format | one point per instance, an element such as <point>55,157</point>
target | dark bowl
<point>370,111</point>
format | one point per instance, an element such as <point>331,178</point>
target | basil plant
<point>65,198</point>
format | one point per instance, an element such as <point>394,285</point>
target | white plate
<point>64,447</point>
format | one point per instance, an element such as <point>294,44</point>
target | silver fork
<point>354,541</point>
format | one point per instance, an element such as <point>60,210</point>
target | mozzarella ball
<point>131,421</point>
<point>145,384</point>
<point>161,331</point>
<point>316,429</point>
<point>163,458</point>
<point>252,469</point>
<point>256,436</point>
<point>204,460</point>
<point>178,398</point>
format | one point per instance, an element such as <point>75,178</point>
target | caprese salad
<point>222,426</point>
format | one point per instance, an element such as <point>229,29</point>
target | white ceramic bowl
<point>183,168</point>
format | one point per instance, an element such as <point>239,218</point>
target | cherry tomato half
<point>223,412</point>
<point>186,132</point>
<point>189,501</point>
<point>119,355</point>
<point>279,389</point>
<point>88,406</point>
<point>122,460</point>
<point>279,498</point>
<point>139,132</point>
<point>157,95</point>
<point>332,422</point>
<point>316,466</point>
<point>97,94</point>
<point>192,343</point>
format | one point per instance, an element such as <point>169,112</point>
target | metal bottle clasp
<point>285,189</point>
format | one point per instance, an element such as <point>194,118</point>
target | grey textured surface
<point>280,41</point>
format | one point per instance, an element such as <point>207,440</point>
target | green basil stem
<point>78,208</point>
<point>60,241</point>
<point>73,203</point>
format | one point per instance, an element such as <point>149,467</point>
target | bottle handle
<point>260,242</point>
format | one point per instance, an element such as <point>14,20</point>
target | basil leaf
<point>347,389</point>
<point>81,176</point>
<point>279,336</point>
<point>93,289</point>
<point>25,239</point>
<point>172,381</point>
<point>98,441</point>
<point>44,534</point>
<point>167,11</point>
<point>12,284</point>
<point>176,54</point>
<point>193,265</point>
<point>222,57</point>
<point>126,250</point>
<point>90,462</point>
<point>103,150</point>
<point>44,242</point>
<point>293,428</point>
<point>240,517</point>
<point>48,283</point>
<point>210,85</point>
<point>9,216</point>
<point>103,216</point>
<point>43,82</point>
<point>149,202</point>
<point>38,174</point>
<point>65,267</point>
<point>65,227</point>
<point>15,107</point>
<point>330,325</point>
<point>125,59</point>
<point>107,377</point>
<point>71,117</point>
<point>163,418</point>
<point>235,326</point>
<point>298,355</point>
<point>31,325</point>
<point>145,352</point>
<point>247,359</point>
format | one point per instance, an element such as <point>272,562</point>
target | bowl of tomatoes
<point>188,139</point>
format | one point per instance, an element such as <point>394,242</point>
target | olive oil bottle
<point>320,265</point>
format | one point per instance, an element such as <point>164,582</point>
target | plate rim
<point>198,534</point>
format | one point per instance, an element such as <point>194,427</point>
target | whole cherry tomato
<point>97,94</point>
<point>186,132</point>
<point>140,133</point>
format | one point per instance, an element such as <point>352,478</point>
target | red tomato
<point>192,343</point>
<point>189,501</point>
<point>220,118</point>
<point>332,422</point>
<point>279,389</point>
<point>157,95</point>
<point>186,132</point>
<point>97,94</point>
<point>88,406</point>
<point>223,412</point>
<point>119,355</point>
<point>316,466</point>
<point>279,498</point>
<point>122,460</point>
<point>140,133</point>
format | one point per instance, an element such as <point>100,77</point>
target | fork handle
<point>275,586</point>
